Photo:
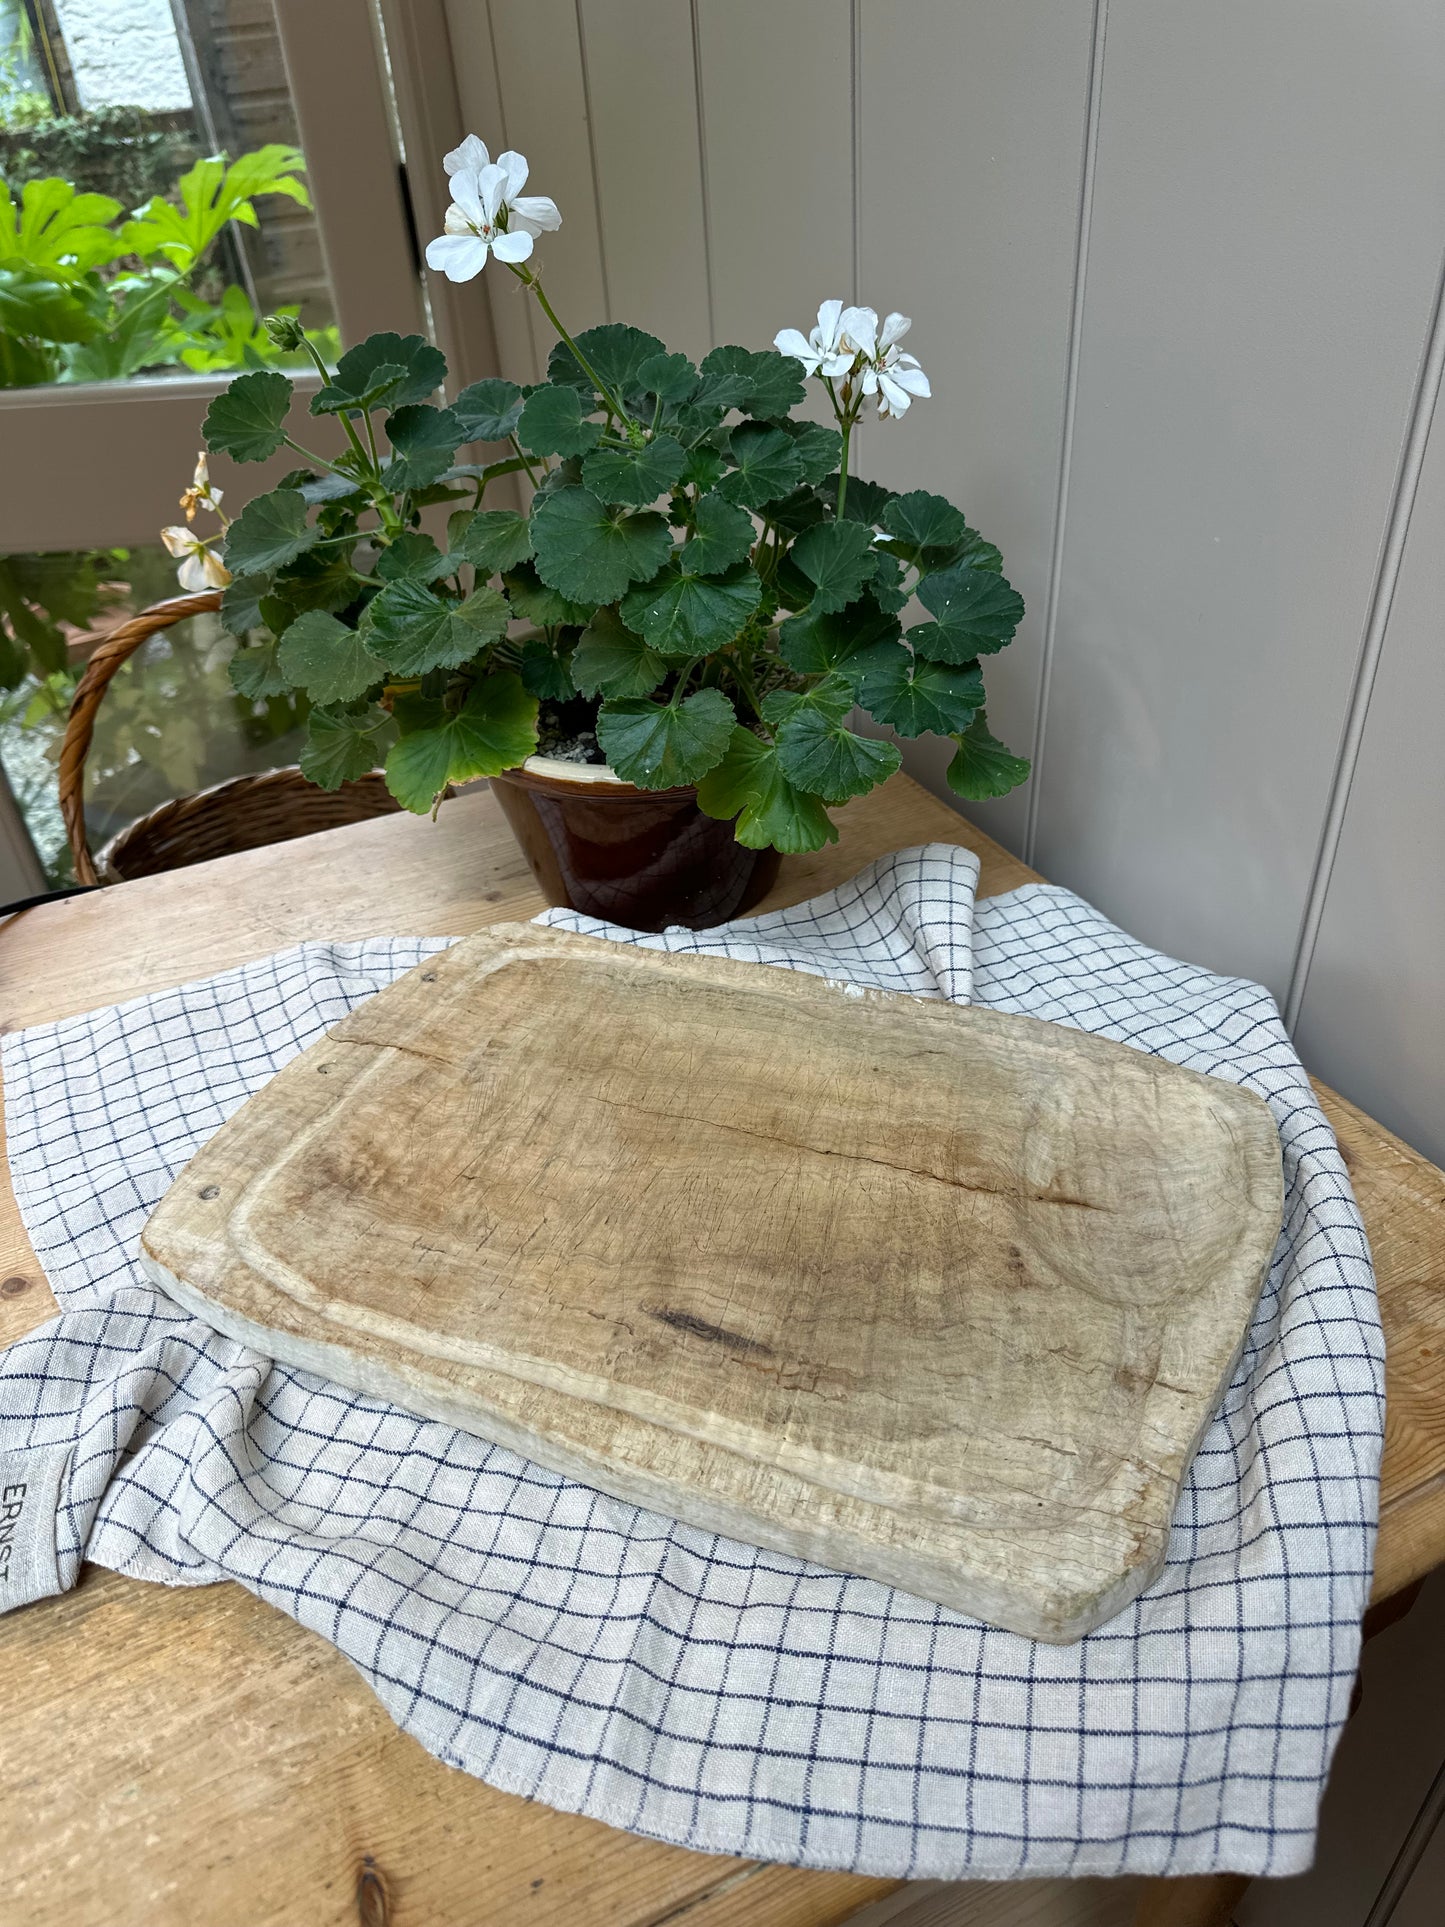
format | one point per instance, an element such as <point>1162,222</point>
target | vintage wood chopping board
<point>936,1295</point>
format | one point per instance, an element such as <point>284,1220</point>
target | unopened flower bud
<point>285,330</point>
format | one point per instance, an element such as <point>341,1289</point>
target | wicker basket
<point>240,815</point>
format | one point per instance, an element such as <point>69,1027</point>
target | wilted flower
<point>489,213</point>
<point>199,567</point>
<point>200,494</point>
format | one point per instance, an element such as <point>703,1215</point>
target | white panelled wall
<point>1174,271</point>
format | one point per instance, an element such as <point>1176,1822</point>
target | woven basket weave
<point>242,814</point>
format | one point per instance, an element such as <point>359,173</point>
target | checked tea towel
<point>609,1661</point>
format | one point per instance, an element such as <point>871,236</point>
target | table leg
<point>1199,1900</point>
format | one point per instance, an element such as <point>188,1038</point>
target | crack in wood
<point>686,1321</point>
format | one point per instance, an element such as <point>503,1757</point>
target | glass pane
<point>170,722</point>
<point>125,247</point>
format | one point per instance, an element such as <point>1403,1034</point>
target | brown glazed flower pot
<point>643,858</point>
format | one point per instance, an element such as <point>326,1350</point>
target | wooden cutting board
<point>941,1296</point>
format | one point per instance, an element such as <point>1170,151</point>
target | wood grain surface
<point>943,1297</point>
<point>176,1757</point>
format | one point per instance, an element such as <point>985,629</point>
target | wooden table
<point>194,1757</point>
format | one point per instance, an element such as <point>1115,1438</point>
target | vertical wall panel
<point>469,30</point>
<point>778,132</point>
<point>643,98</point>
<point>1373,1017</point>
<point>543,102</point>
<point>1265,237</point>
<point>971,130</point>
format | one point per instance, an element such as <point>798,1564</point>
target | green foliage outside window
<point>89,293</point>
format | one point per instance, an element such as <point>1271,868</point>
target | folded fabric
<point>608,1661</point>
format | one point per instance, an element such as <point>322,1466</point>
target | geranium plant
<point>697,583</point>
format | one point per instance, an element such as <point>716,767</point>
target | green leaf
<point>821,640</point>
<point>634,476</point>
<point>782,817</point>
<point>495,729</point>
<point>489,410</point>
<point>914,696</point>
<point>544,672</point>
<point>704,467</point>
<point>775,381</point>
<point>423,442</point>
<point>268,533</point>
<point>982,767</point>
<point>681,613</point>
<point>211,195</point>
<point>886,583</point>
<point>819,753</point>
<point>241,603</point>
<point>395,369</point>
<point>535,602</point>
<point>413,557</point>
<point>722,535</point>
<point>610,660</point>
<point>614,351</point>
<point>720,389</point>
<point>315,489</point>
<point>55,231</point>
<point>672,378</point>
<point>256,673</point>
<point>838,558</point>
<point>771,813</point>
<point>329,661</point>
<point>864,501</point>
<point>817,448</point>
<point>922,521</point>
<point>277,614</point>
<point>977,613</point>
<point>663,746</point>
<point>591,553</point>
<point>741,776</point>
<point>413,630</point>
<point>554,422</point>
<point>248,422</point>
<point>32,305</point>
<point>339,748</point>
<point>318,581</point>
<point>798,511</point>
<point>767,466</point>
<point>832,697</point>
<point>492,541</point>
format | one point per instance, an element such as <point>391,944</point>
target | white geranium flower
<point>200,568</point>
<point>893,376</point>
<point>489,213</point>
<point>825,351</point>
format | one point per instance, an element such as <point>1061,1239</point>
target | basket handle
<point>116,648</point>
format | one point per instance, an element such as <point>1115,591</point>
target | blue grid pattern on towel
<point>607,1660</point>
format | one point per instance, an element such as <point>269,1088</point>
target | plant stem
<point>317,461</point>
<point>314,355</point>
<point>534,282</point>
<point>845,422</point>
<point>531,472</point>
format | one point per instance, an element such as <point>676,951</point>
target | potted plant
<point>656,662</point>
